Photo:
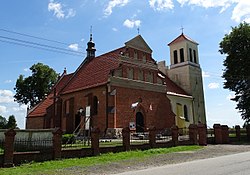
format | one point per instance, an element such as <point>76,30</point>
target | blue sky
<point>115,22</point>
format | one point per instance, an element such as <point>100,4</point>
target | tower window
<point>175,57</point>
<point>190,55</point>
<point>195,59</point>
<point>182,54</point>
<point>185,112</point>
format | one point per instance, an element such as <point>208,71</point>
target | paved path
<point>235,164</point>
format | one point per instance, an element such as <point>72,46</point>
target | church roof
<point>40,108</point>
<point>174,89</point>
<point>94,72</point>
<point>180,38</point>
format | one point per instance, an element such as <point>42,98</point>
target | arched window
<point>185,112</point>
<point>95,106</point>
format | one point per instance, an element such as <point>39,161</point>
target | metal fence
<point>164,135</point>
<point>183,134</point>
<point>76,142</point>
<point>139,138</point>
<point>33,140</point>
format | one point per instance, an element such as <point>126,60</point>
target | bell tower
<point>186,72</point>
<point>91,46</point>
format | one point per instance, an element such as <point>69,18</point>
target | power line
<point>37,47</point>
<point>32,36</point>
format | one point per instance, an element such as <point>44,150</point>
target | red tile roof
<point>93,73</point>
<point>180,38</point>
<point>40,108</point>
<point>173,88</point>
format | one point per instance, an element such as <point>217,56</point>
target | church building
<point>126,87</point>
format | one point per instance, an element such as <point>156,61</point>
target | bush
<point>68,138</point>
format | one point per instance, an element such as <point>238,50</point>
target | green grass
<point>50,167</point>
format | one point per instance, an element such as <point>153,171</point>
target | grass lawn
<point>50,167</point>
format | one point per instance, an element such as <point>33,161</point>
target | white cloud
<point>21,108</point>
<point>213,85</point>
<point>230,96</point>
<point>2,109</point>
<point>242,11</point>
<point>6,96</point>
<point>205,74</point>
<point>131,23</point>
<point>26,69</point>
<point>74,47</point>
<point>57,8</point>
<point>112,4</point>
<point>7,81</point>
<point>114,29</point>
<point>160,5</point>
<point>71,13</point>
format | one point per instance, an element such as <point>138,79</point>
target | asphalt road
<point>235,164</point>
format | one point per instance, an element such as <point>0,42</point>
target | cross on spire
<point>90,33</point>
<point>138,30</point>
<point>182,29</point>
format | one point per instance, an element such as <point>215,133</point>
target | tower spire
<point>91,46</point>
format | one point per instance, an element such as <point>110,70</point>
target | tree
<point>236,46</point>
<point>33,89</point>
<point>3,122</point>
<point>11,124</point>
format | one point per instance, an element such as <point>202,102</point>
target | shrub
<point>68,138</point>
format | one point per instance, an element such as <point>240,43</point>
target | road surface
<point>235,164</point>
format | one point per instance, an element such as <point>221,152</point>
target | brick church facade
<point>121,88</point>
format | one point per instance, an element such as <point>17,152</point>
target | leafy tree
<point>33,89</point>
<point>3,122</point>
<point>11,122</point>
<point>236,46</point>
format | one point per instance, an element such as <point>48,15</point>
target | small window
<point>140,75</point>
<point>135,54</point>
<point>186,113</point>
<point>195,59</point>
<point>130,73</point>
<point>182,54</point>
<point>95,106</point>
<point>190,55</point>
<point>175,57</point>
<point>144,58</point>
<point>67,107</point>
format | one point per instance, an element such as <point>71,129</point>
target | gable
<point>139,43</point>
<point>181,38</point>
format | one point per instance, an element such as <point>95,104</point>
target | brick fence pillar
<point>57,143</point>
<point>202,131</point>
<point>152,134</point>
<point>248,131</point>
<point>126,138</point>
<point>9,147</point>
<point>217,133</point>
<point>224,134</point>
<point>193,132</point>
<point>237,132</point>
<point>95,136</point>
<point>175,134</point>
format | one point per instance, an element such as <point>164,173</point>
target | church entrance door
<point>139,122</point>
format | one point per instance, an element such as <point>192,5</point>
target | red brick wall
<point>81,100</point>
<point>160,116</point>
<point>34,122</point>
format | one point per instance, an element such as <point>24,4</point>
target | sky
<point>55,33</point>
